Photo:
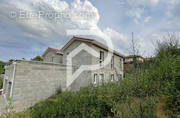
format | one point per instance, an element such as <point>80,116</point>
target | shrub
<point>1,83</point>
<point>37,58</point>
<point>173,105</point>
<point>136,96</point>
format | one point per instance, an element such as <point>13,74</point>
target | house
<point>112,71</point>
<point>52,55</point>
<point>149,59</point>
<point>131,58</point>
<point>28,82</point>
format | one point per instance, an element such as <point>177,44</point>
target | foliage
<point>136,96</point>
<point>1,67</point>
<point>37,58</point>
<point>1,72</point>
<point>139,95</point>
<point>24,114</point>
<point>1,83</point>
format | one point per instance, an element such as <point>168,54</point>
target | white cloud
<point>143,2</point>
<point>81,15</point>
<point>147,19</point>
<point>115,35</point>
<point>45,27</point>
<point>135,12</point>
<point>119,40</point>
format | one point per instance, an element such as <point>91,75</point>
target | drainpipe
<point>14,71</point>
<point>122,63</point>
<point>3,85</point>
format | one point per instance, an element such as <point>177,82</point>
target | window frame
<point>95,78</point>
<point>112,78</point>
<point>52,59</point>
<point>101,57</point>
<point>112,62</point>
<point>101,77</point>
<point>121,64</point>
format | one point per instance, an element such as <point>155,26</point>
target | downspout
<point>13,78</point>
<point>3,85</point>
<point>122,62</point>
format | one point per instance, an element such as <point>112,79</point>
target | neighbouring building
<point>28,82</point>
<point>52,55</point>
<point>132,58</point>
<point>129,60</point>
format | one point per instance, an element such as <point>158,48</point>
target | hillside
<point>151,91</point>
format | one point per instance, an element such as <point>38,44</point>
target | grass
<point>151,91</point>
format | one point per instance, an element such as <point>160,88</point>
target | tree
<point>37,58</point>
<point>1,72</point>
<point>1,67</point>
<point>168,45</point>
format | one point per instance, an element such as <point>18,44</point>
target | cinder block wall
<point>57,58</point>
<point>8,77</point>
<point>36,81</point>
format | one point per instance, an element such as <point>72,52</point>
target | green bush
<point>135,96</point>
<point>173,104</point>
<point>130,98</point>
<point>97,102</point>
<point>1,83</point>
<point>37,58</point>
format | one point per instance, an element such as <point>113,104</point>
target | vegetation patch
<point>150,91</point>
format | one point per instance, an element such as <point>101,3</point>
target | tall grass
<point>151,91</point>
<point>136,96</point>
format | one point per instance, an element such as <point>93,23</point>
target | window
<point>120,64</point>
<point>112,62</point>
<point>101,57</point>
<point>101,77</point>
<point>52,59</point>
<point>112,77</point>
<point>119,76</point>
<point>95,79</point>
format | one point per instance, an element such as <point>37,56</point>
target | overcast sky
<point>27,36</point>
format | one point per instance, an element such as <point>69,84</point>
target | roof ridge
<point>82,38</point>
<point>54,49</point>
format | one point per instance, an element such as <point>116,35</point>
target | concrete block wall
<point>83,80</point>
<point>36,81</point>
<point>83,58</point>
<point>53,57</point>
<point>9,72</point>
<point>8,78</point>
